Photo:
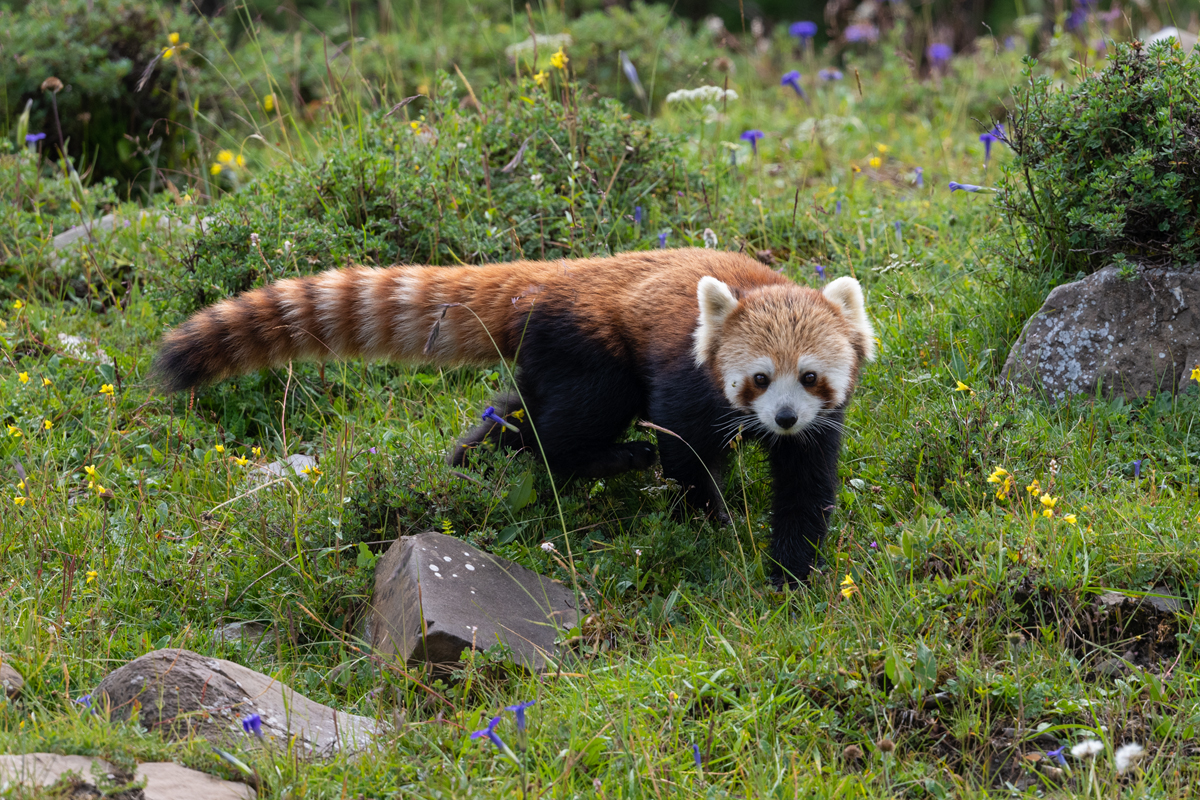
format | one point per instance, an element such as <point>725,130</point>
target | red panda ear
<point>717,302</point>
<point>847,295</point>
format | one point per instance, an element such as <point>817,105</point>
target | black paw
<point>642,455</point>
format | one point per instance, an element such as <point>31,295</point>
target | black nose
<point>785,418</point>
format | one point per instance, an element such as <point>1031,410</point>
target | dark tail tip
<point>182,362</point>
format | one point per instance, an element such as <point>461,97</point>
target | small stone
<point>166,780</point>
<point>44,769</point>
<point>424,613</point>
<point>183,693</point>
<point>11,681</point>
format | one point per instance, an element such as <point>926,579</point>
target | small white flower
<point>1127,754</point>
<point>536,179</point>
<point>461,145</point>
<point>637,553</point>
<point>710,239</point>
<point>549,547</point>
<point>1087,748</point>
<point>287,247</point>
<point>254,240</point>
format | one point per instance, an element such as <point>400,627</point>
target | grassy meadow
<point>954,640</point>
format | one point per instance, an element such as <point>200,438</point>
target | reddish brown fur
<point>634,302</point>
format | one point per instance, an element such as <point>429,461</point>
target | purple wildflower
<point>820,269</point>
<point>1010,43</point>
<point>662,239</point>
<point>792,79</point>
<point>996,134</point>
<point>696,756</point>
<point>920,171</point>
<point>1137,469</point>
<point>966,187</point>
<point>803,30</point>
<point>1100,46</point>
<point>837,208</point>
<point>372,451</point>
<point>1057,755</point>
<point>830,75</point>
<point>939,54</point>
<point>637,215</point>
<point>34,138</point>
<point>85,701</point>
<point>896,225</point>
<point>862,32</point>
<point>490,733</point>
<point>631,73</point>
<point>752,136</point>
<point>874,545</point>
<point>253,724</point>
<point>519,710</point>
<point>490,415</point>
<point>1075,20</point>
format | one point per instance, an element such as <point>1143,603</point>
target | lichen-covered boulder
<point>1127,337</point>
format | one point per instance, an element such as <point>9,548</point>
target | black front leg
<point>804,472</point>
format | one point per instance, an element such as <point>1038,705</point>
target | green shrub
<point>528,177</point>
<point>101,50</point>
<point>1109,166</point>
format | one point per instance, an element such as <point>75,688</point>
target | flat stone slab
<point>11,681</point>
<point>160,780</point>
<point>1127,337</point>
<point>187,694</point>
<point>436,596</point>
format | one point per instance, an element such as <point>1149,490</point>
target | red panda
<point>706,345</point>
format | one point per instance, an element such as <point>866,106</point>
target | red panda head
<point>785,355</point>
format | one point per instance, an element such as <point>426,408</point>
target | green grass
<point>972,640</point>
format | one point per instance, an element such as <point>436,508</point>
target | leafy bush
<point>1109,167</point>
<point>525,176</point>
<point>100,50</point>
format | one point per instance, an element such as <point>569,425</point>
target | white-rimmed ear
<point>717,302</point>
<point>847,295</point>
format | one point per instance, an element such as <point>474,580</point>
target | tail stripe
<point>374,300</point>
<point>409,328</point>
<point>331,317</point>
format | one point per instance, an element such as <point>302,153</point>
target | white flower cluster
<point>546,43</point>
<point>702,94</point>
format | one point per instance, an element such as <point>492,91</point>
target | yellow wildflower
<point>1003,492</point>
<point>215,169</point>
<point>240,160</point>
<point>855,168</point>
<point>241,461</point>
<point>220,448</point>
<point>849,587</point>
<point>875,162</point>
<point>225,157</point>
<point>23,377</point>
<point>1049,501</point>
<point>540,77</point>
<point>99,489</point>
<point>90,470</point>
<point>168,53</point>
<point>316,473</point>
<point>998,475</point>
<point>108,389</point>
<point>269,103</point>
<point>46,381</point>
<point>14,431</point>
<point>518,415</point>
<point>18,305</point>
<point>47,424</point>
<point>959,386</point>
<point>416,126</point>
<point>881,147</point>
<point>92,575</point>
<point>1071,518</point>
<point>20,501</point>
<point>1034,487</point>
<point>1048,512</point>
<point>257,451</point>
<point>173,38</point>
<point>1195,370</point>
<point>559,60</point>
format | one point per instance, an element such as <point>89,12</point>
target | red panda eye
<point>761,380</point>
<point>809,379</point>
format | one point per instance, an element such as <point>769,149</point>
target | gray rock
<point>254,635</point>
<point>11,681</point>
<point>1187,40</point>
<point>461,597</point>
<point>185,694</point>
<point>160,780</point>
<point>294,464</point>
<point>109,222</point>
<point>1129,338</point>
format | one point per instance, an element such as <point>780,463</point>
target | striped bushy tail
<point>460,315</point>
